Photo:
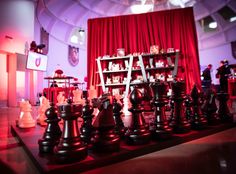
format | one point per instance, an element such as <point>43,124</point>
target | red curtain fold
<point>136,33</point>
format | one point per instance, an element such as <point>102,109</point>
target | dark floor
<point>214,154</point>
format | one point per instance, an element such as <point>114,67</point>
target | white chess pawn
<point>26,120</point>
<point>44,105</point>
<point>77,96</point>
<point>61,98</point>
<point>127,114</point>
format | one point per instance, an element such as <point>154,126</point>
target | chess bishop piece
<point>26,120</point>
<point>70,147</point>
<point>160,99</point>
<point>209,108</point>
<point>44,105</point>
<point>198,120</point>
<point>119,128</point>
<point>178,122</point>
<point>223,110</point>
<point>86,127</point>
<point>104,138</point>
<point>52,132</point>
<point>137,133</point>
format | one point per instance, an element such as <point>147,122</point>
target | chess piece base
<point>137,137</point>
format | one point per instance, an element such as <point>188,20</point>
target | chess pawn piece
<point>160,99</point>
<point>86,127</point>
<point>61,98</point>
<point>77,96</point>
<point>52,132</point>
<point>26,120</point>
<point>198,120</point>
<point>188,107</point>
<point>70,147</point>
<point>137,133</point>
<point>44,105</point>
<point>209,107</point>
<point>126,112</point>
<point>119,128</point>
<point>104,138</point>
<point>223,110</point>
<point>178,122</point>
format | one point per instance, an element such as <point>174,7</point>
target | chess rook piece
<point>198,120</point>
<point>119,128</point>
<point>209,107</point>
<point>70,147</point>
<point>188,107</point>
<point>104,138</point>
<point>160,99</point>
<point>223,111</point>
<point>26,120</point>
<point>178,122</point>
<point>137,133</point>
<point>86,127</point>
<point>52,132</point>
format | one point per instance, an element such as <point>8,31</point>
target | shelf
<point>117,71</point>
<point>113,84</point>
<point>160,68</point>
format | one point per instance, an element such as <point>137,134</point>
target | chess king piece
<point>44,105</point>
<point>178,121</point>
<point>223,110</point>
<point>160,99</point>
<point>52,132</point>
<point>119,128</point>
<point>104,138</point>
<point>188,107</point>
<point>26,120</point>
<point>209,107</point>
<point>86,127</point>
<point>198,120</point>
<point>70,147</point>
<point>137,133</point>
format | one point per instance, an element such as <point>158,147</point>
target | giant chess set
<point>60,143</point>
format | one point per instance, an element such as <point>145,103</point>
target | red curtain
<point>136,33</point>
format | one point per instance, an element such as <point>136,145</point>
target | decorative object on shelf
<point>223,110</point>
<point>137,133</point>
<point>170,50</point>
<point>43,106</point>
<point>151,62</point>
<point>160,99</point>
<point>86,127</point>
<point>70,147</point>
<point>26,120</point>
<point>120,52</point>
<point>209,108</point>
<point>154,49</point>
<point>178,121</point>
<point>198,120</point>
<point>52,132</point>
<point>159,64</point>
<point>104,138</point>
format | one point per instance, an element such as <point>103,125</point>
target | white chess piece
<point>77,96</point>
<point>44,105</point>
<point>127,114</point>
<point>61,98</point>
<point>26,120</point>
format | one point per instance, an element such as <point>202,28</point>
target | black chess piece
<point>198,120</point>
<point>105,139</point>
<point>209,107</point>
<point>160,99</point>
<point>70,148</point>
<point>172,106</point>
<point>137,133</point>
<point>188,107</point>
<point>119,128</point>
<point>223,110</point>
<point>178,122</point>
<point>86,127</point>
<point>52,132</point>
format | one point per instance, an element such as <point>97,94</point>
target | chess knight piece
<point>223,110</point>
<point>52,132</point>
<point>160,99</point>
<point>104,138</point>
<point>70,147</point>
<point>44,105</point>
<point>209,107</point>
<point>26,120</point>
<point>137,133</point>
<point>198,120</point>
<point>86,127</point>
<point>178,122</point>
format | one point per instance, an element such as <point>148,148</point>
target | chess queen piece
<point>104,138</point>
<point>223,110</point>
<point>70,147</point>
<point>209,107</point>
<point>86,127</point>
<point>178,123</point>
<point>119,125</point>
<point>198,120</point>
<point>26,120</point>
<point>160,100</point>
<point>137,133</point>
<point>52,132</point>
<point>44,105</point>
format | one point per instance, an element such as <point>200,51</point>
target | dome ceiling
<point>61,18</point>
